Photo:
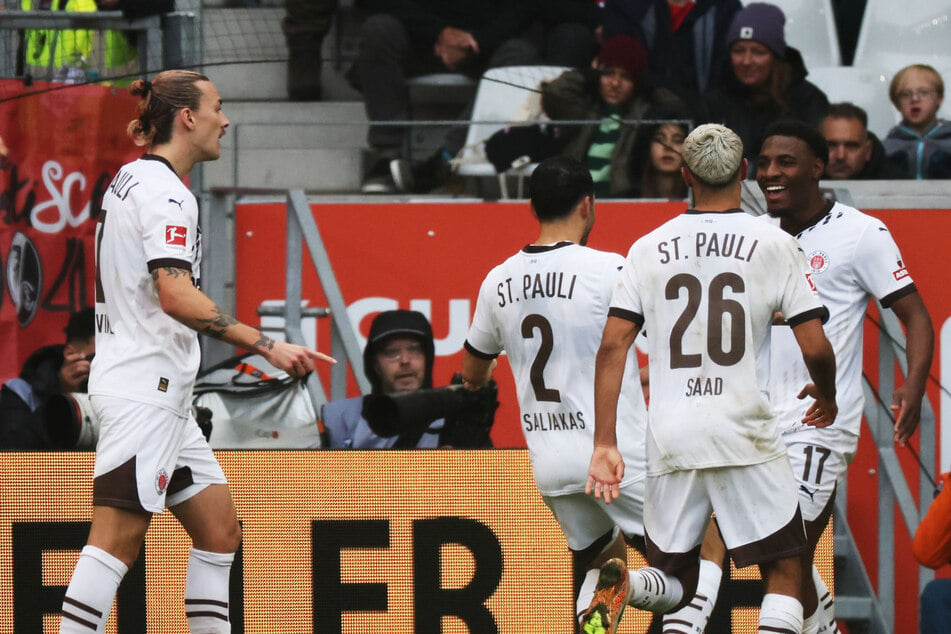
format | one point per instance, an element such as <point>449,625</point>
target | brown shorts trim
<point>674,564</point>
<point>788,541</point>
<point>118,488</point>
<point>181,479</point>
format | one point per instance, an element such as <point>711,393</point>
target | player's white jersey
<point>546,307</point>
<point>706,286</point>
<point>853,257</point>
<point>149,220</point>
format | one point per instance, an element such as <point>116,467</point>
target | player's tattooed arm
<point>170,271</point>
<point>216,325</point>
<point>265,343</point>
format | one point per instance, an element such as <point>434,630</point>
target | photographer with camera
<point>48,371</point>
<point>403,411</point>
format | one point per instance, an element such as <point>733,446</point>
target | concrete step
<point>317,146</point>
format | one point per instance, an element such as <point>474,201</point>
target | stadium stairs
<point>276,143</point>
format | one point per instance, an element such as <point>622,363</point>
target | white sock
<point>653,590</point>
<point>206,592</point>
<point>826,605</point>
<point>780,614</point>
<point>693,617</point>
<point>91,591</point>
<point>586,593</point>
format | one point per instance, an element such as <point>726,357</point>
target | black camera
<point>468,415</point>
<point>70,421</point>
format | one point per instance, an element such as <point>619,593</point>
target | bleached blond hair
<point>713,153</point>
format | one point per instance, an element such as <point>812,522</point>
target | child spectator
<point>921,144</point>
<point>658,157</point>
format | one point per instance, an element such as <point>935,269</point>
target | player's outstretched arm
<point>820,361</point>
<point>607,466</point>
<point>919,349</point>
<point>182,301</point>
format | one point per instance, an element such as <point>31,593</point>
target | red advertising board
<point>65,143</point>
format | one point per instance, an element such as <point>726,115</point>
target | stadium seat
<point>896,34</point>
<point>506,94</point>
<point>810,28</point>
<point>863,87</point>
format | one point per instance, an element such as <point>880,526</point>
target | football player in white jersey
<point>706,286</point>
<point>852,258</point>
<point>545,307</point>
<point>149,310</point>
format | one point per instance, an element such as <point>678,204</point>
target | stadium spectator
<point>305,24</point>
<point>551,340</point>
<point>765,80</point>
<point>932,548</point>
<point>855,153</point>
<point>921,144</point>
<point>686,41</point>
<point>612,94</point>
<point>717,447</point>
<point>151,453</point>
<point>658,156</point>
<point>400,39</point>
<point>398,359</point>
<point>54,369</point>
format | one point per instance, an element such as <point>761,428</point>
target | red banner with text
<point>65,143</point>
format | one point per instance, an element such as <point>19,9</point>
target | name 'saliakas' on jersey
<point>546,307</point>
<point>706,286</point>
<point>149,220</point>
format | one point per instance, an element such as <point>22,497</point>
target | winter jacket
<point>920,156</point>
<point>878,166</point>
<point>932,543</point>
<point>22,399</point>
<point>575,96</point>
<point>733,105</point>
<point>690,60</point>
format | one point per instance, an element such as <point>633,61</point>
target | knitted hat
<point>623,51</point>
<point>761,23</point>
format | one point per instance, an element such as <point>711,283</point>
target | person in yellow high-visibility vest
<point>53,49</point>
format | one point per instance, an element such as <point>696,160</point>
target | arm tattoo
<point>264,342</point>
<point>217,325</point>
<point>171,271</point>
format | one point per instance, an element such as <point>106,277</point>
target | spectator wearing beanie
<point>764,80</point>
<point>611,94</point>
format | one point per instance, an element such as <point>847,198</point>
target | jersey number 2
<point>529,325</point>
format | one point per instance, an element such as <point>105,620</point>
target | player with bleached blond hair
<point>705,286</point>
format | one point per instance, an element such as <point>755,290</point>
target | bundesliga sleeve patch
<point>175,235</point>
<point>901,272</point>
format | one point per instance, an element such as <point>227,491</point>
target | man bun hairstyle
<point>802,131</point>
<point>557,185</point>
<point>160,100</point>
<point>713,153</point>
